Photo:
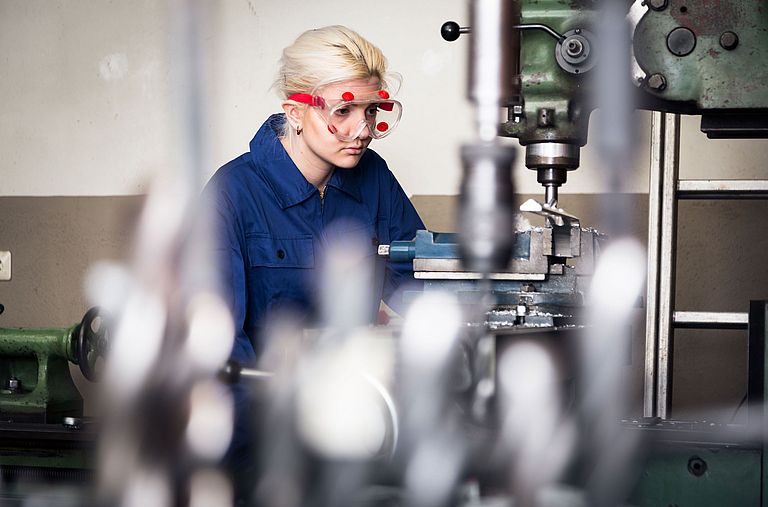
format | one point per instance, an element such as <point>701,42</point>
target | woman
<point>307,169</point>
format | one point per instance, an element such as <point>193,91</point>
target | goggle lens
<point>348,119</point>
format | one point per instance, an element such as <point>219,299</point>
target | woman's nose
<point>365,132</point>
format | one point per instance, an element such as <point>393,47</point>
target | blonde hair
<point>323,55</point>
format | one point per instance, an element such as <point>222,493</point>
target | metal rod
<point>722,189</point>
<point>652,294</point>
<point>254,374</point>
<point>550,195</point>
<point>711,320</point>
<point>667,248</point>
<point>539,26</point>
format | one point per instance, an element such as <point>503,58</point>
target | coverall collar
<point>283,177</point>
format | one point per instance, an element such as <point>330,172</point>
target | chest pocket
<point>269,252</point>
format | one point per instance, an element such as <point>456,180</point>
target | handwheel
<point>92,343</point>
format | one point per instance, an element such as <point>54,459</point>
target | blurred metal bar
<point>652,291</point>
<point>711,320</point>
<point>251,373</point>
<point>667,248</point>
<point>662,235</point>
<point>722,189</point>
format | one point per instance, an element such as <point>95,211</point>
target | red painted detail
<point>382,126</point>
<point>387,106</point>
<point>384,94</point>
<point>306,98</point>
<point>347,96</point>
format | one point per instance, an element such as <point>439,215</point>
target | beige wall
<point>89,95</point>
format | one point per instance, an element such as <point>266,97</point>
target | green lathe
<point>41,411</point>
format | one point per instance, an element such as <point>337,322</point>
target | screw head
<point>657,5</point>
<point>657,82</point>
<point>729,41</point>
<point>681,41</point>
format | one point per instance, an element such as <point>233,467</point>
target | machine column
<point>662,235</point>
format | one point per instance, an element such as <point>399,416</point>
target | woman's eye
<point>372,110</point>
<point>342,111</point>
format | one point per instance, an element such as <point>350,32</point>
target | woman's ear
<point>293,113</point>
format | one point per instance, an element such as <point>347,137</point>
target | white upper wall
<point>88,94</point>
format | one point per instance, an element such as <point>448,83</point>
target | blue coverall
<point>272,226</point>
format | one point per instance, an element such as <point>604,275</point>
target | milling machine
<point>550,64</point>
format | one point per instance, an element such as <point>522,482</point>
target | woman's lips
<point>354,150</point>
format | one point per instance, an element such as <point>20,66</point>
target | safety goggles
<point>347,116</point>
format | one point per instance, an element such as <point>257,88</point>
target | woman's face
<point>320,143</point>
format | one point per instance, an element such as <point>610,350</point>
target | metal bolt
<point>657,5</point>
<point>729,41</point>
<point>657,82</point>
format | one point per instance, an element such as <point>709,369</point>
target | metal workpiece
<point>493,61</point>
<point>486,210</point>
<point>662,235</point>
<point>557,215</point>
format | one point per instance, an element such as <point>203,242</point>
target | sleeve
<point>229,256</point>
<point>404,221</point>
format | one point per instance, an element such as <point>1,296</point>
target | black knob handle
<point>450,31</point>
<point>230,373</point>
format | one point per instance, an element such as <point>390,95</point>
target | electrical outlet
<point>5,265</point>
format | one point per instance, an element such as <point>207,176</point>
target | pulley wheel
<point>92,343</point>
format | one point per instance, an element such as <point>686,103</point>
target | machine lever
<point>233,373</point>
<point>450,31</point>
<point>538,26</point>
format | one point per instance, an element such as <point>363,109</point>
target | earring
<point>298,131</point>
